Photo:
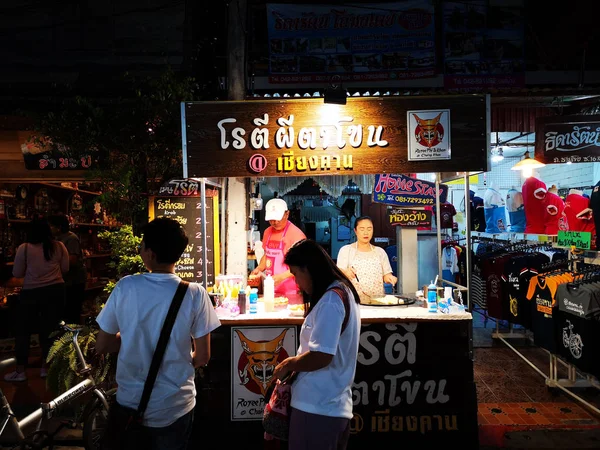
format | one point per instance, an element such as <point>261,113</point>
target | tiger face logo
<point>429,132</point>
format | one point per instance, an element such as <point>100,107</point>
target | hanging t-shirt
<point>477,215</point>
<point>514,283</point>
<point>541,293</point>
<point>493,269</point>
<point>516,211</point>
<point>447,213</point>
<point>449,263</point>
<point>595,205</point>
<point>555,219</point>
<point>574,204</point>
<point>534,193</point>
<point>494,211</point>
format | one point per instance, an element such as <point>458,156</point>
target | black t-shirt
<point>578,341</point>
<point>595,206</point>
<point>542,318</point>
<point>493,269</point>
<point>515,281</point>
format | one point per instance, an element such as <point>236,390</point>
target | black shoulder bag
<point>124,430</point>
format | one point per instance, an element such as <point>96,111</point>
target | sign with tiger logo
<point>429,135</point>
<point>256,351</point>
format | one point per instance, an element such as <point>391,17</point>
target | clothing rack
<point>551,379</point>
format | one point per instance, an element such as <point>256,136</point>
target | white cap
<point>275,209</point>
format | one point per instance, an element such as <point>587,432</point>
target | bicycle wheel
<point>95,418</point>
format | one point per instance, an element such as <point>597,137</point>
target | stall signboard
<point>563,139</point>
<point>428,135</point>
<point>400,190</point>
<point>407,391</point>
<point>180,200</point>
<point>410,218</point>
<point>363,42</point>
<point>307,137</point>
<point>255,352</point>
<point>578,239</point>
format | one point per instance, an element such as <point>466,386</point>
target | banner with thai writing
<point>307,137</point>
<point>563,139</point>
<point>408,390</point>
<point>410,218</point>
<point>400,190</point>
<point>356,42</point>
<point>255,352</point>
<point>484,44</point>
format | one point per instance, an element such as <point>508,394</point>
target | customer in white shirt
<point>326,360</point>
<point>130,324</point>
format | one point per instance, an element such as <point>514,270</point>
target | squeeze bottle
<point>269,293</point>
<point>432,298</point>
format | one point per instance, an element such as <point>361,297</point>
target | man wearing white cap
<point>277,240</point>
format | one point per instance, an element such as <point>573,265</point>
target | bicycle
<point>93,417</point>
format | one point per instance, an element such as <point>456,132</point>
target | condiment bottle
<point>269,293</point>
<point>432,298</point>
<point>242,301</point>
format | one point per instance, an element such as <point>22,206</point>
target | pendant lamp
<point>527,163</point>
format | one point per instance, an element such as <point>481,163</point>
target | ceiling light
<point>527,163</point>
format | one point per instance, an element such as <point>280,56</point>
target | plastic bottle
<point>269,293</point>
<point>242,301</point>
<point>432,298</point>
<point>253,301</point>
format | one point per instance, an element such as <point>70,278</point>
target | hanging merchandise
<point>516,210</point>
<point>494,211</point>
<point>534,195</point>
<point>578,212</point>
<point>447,213</point>
<point>554,217</point>
<point>477,213</point>
<point>42,201</point>
<point>76,203</point>
<point>595,207</point>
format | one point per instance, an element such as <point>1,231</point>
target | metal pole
<point>468,238</point>
<point>438,221</point>
<point>203,215</point>
<point>399,286</point>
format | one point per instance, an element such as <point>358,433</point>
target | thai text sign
<point>565,139</point>
<point>308,137</point>
<point>410,218</point>
<point>255,352</point>
<point>407,391</point>
<point>400,190</point>
<point>362,42</point>
<point>578,239</point>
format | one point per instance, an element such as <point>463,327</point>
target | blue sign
<point>400,190</point>
<point>359,42</point>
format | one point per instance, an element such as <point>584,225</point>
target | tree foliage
<point>136,136</point>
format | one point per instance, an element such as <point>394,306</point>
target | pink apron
<point>274,256</point>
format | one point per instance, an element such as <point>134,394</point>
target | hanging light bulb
<point>527,172</point>
<point>527,162</point>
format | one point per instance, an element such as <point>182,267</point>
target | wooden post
<point>237,200</point>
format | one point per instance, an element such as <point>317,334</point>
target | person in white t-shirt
<point>326,361</point>
<point>130,324</point>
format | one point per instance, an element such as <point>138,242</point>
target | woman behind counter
<point>366,265</point>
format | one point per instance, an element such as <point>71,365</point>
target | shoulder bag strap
<point>161,346</point>
<point>344,297</point>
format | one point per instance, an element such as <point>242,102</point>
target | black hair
<point>166,238</point>
<point>309,255</point>
<point>361,218</point>
<point>40,233</point>
<point>60,221</point>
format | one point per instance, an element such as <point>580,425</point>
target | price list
<point>188,212</point>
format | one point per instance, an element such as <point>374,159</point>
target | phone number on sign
<point>414,200</point>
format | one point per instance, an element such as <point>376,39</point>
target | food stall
<point>414,379</point>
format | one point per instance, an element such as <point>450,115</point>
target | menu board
<point>188,212</point>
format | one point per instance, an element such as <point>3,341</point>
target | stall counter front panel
<point>414,377</point>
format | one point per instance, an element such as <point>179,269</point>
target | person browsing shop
<point>366,265</point>
<point>278,238</point>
